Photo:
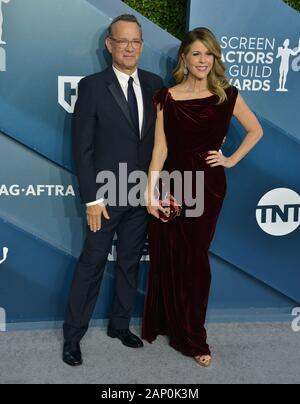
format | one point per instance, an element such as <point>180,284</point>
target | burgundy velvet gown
<point>180,276</point>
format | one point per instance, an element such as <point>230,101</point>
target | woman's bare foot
<point>203,360</point>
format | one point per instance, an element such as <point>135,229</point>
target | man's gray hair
<point>123,17</point>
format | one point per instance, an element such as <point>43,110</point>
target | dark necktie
<point>133,106</point>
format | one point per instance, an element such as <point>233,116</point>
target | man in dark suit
<point>114,122</point>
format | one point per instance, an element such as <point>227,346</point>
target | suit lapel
<point>117,93</point>
<point>148,107</point>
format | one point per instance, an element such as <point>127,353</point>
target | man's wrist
<point>97,202</point>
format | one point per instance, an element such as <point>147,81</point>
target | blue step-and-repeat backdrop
<point>46,47</point>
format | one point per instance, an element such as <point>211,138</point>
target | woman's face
<point>199,60</point>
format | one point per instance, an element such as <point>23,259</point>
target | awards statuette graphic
<point>284,52</point>
<point>2,311</point>
<point>4,255</point>
<point>2,42</point>
<point>1,21</point>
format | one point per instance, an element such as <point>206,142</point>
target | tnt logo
<point>278,212</point>
<point>2,320</point>
<point>67,92</point>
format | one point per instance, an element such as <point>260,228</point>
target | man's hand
<point>94,216</point>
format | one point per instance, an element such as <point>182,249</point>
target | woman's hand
<point>217,158</point>
<point>153,205</point>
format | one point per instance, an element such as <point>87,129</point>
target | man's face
<point>125,46</point>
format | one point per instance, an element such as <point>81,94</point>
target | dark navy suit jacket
<point>103,132</point>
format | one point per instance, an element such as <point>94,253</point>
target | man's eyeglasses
<point>124,43</point>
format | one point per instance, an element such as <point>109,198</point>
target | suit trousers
<point>130,224</point>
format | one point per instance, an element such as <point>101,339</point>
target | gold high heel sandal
<point>204,363</point>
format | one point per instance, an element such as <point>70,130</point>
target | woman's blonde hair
<point>217,82</point>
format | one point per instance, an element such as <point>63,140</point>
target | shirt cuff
<point>99,201</point>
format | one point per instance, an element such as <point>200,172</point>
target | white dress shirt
<point>123,79</point>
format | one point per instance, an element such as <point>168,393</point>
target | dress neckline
<point>190,99</point>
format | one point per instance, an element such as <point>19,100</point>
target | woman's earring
<point>185,71</point>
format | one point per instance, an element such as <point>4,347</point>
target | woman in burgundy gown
<point>192,122</point>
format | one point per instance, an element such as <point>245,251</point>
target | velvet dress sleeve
<point>160,98</point>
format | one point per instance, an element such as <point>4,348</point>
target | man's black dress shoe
<point>126,337</point>
<point>72,354</point>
